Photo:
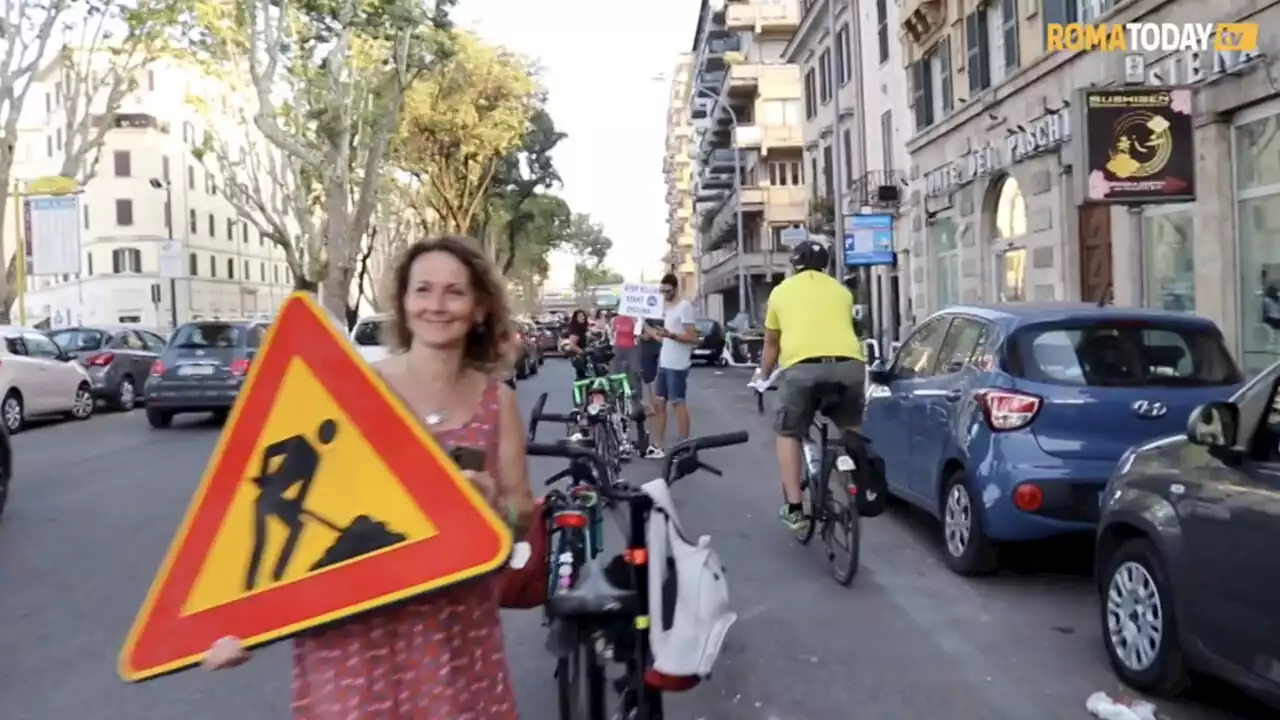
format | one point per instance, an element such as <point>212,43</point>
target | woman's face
<point>439,303</point>
<point>579,317</point>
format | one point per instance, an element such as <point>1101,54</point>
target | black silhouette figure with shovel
<point>298,462</point>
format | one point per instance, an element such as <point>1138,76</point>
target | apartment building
<point>230,270</point>
<point>997,212</point>
<point>677,166</point>
<point>855,107</point>
<point>749,179</point>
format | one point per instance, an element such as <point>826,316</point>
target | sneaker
<point>654,453</point>
<point>795,520</point>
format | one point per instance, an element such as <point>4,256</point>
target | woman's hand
<point>485,483</point>
<point>225,653</point>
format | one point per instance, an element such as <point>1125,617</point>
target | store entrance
<point>1095,253</point>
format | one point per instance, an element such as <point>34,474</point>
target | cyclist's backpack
<point>686,635</point>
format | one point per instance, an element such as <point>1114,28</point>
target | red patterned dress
<point>440,657</point>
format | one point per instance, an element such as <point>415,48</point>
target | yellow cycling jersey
<point>814,314</point>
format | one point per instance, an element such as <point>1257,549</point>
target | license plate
<point>195,370</point>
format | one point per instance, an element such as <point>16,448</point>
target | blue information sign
<point>868,240</point>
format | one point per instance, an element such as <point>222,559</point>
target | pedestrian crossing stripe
<point>324,498</point>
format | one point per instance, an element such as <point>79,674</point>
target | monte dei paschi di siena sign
<point>1041,135</point>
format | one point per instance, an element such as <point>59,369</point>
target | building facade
<point>677,166</point>
<point>855,107</point>
<point>749,175</point>
<point>147,162</point>
<point>996,212</point>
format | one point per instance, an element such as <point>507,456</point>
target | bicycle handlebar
<point>682,458</point>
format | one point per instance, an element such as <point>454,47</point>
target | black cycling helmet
<point>810,255</point>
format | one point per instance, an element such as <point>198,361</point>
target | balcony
<point>921,19</point>
<point>764,17</point>
<point>719,225</point>
<point>720,270</point>
<point>687,268</point>
<point>744,79</point>
<point>788,205</point>
<point>879,189</point>
<point>782,137</point>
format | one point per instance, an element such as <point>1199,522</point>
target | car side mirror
<point>1214,425</point>
<point>879,373</point>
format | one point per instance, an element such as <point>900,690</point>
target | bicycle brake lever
<point>710,468</point>
<point>567,472</point>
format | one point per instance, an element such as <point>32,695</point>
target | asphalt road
<point>95,504</point>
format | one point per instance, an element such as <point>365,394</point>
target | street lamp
<point>158,184</point>
<point>737,191</point>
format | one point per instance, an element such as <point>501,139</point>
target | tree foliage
<point>524,173</point>
<point>328,80</point>
<point>460,121</point>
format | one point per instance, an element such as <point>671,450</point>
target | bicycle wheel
<point>841,531</point>
<point>580,683</point>
<point>812,505</point>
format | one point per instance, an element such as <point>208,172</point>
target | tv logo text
<point>1151,37</point>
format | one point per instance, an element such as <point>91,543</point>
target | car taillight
<point>240,367</point>
<point>157,368</point>
<point>100,360</point>
<point>1008,410</point>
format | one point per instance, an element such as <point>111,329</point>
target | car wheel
<point>13,412</point>
<point>965,546</point>
<point>84,403</point>
<point>159,419</point>
<point>1139,628</point>
<point>126,395</point>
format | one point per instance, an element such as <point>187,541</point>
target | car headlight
<point>1126,462</point>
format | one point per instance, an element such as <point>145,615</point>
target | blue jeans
<point>672,385</point>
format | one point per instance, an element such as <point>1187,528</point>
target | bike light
<point>570,519</point>
<point>1028,497</point>
<point>844,463</point>
<point>157,368</point>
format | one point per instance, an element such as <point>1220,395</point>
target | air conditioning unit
<point>886,195</point>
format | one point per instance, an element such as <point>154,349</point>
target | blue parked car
<point>1006,422</point>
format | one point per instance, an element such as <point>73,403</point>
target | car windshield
<point>207,335</point>
<point>73,340</point>
<point>369,333</point>
<point>1123,355</point>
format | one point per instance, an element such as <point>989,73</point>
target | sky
<point>599,62</point>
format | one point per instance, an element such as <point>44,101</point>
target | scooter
<point>742,348</point>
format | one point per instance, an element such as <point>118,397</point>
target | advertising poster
<point>1139,145</point>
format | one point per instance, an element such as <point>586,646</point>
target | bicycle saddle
<point>828,396</point>
<point>593,594</point>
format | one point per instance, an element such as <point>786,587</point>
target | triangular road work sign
<point>325,497</point>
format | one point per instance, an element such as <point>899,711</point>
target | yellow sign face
<point>305,486</point>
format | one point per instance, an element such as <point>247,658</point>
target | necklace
<point>436,417</point>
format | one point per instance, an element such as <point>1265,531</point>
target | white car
<point>39,378</point>
<point>369,337</point>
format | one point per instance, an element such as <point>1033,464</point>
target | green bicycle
<point>612,394</point>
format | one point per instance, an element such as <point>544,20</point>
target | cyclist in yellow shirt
<point>809,333</point>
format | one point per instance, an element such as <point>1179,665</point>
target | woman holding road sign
<point>442,655</point>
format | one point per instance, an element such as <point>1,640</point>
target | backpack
<point>686,635</point>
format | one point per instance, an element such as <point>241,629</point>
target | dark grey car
<point>202,369</point>
<point>1188,553</point>
<point>118,359</point>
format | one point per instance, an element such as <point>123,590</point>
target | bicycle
<point>612,391</point>
<point>825,507</point>
<point>604,616</point>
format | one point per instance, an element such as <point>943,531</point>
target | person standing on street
<point>440,655</point>
<point>679,334</point>
<point>624,335</point>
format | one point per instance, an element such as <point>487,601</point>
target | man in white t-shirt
<point>679,335</point>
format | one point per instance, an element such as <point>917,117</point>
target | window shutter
<point>973,52</point>
<point>948,93</point>
<point>917,94</point>
<point>1009,17</point>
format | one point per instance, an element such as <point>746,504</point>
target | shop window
<point>947,262</point>
<point>1256,147</point>
<point>1011,211</point>
<point>1008,226</point>
<point>1168,259</point>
